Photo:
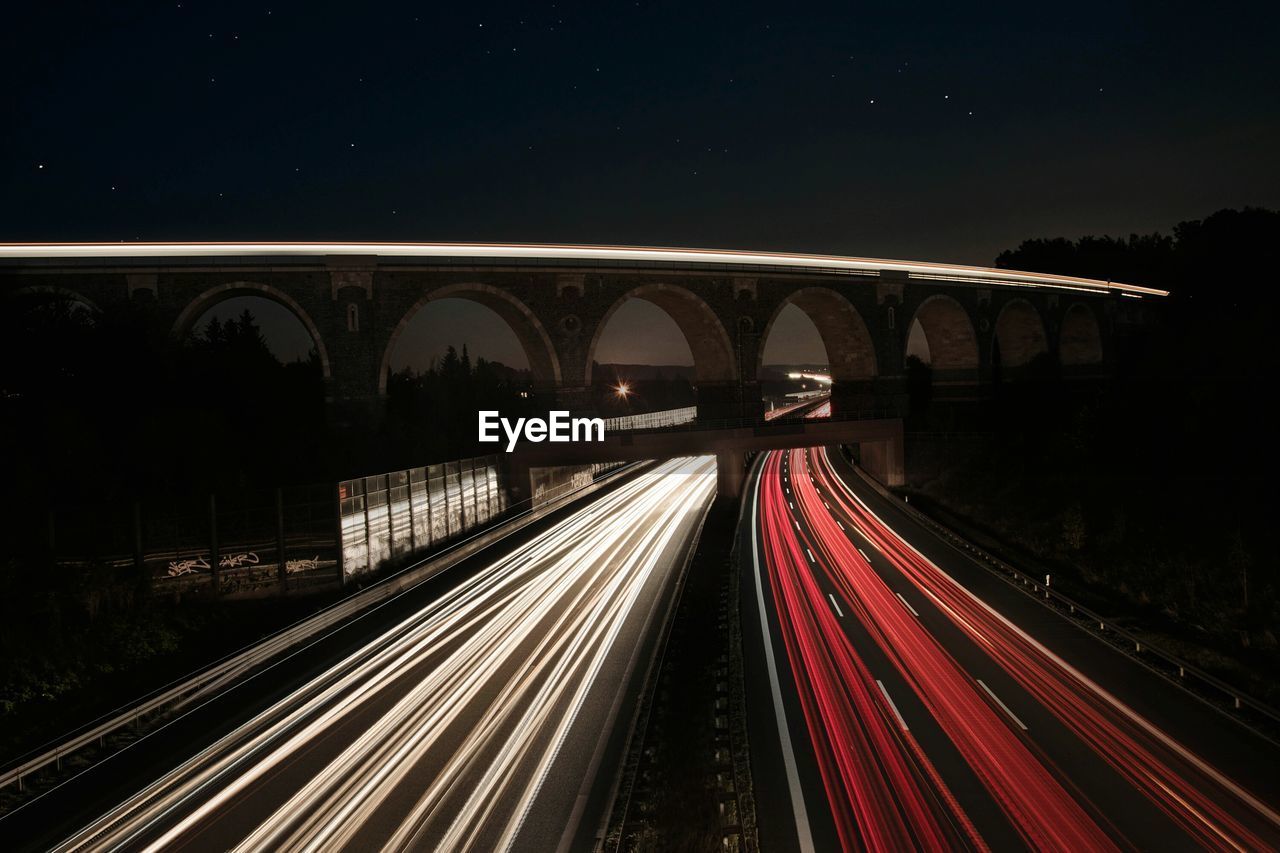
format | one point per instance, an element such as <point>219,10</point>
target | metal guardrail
<point>798,419</point>
<point>1132,645</point>
<point>221,673</point>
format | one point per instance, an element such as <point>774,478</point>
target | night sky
<point>929,132</point>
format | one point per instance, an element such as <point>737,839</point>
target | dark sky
<point>925,131</point>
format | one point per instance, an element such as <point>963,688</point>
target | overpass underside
<point>879,441</point>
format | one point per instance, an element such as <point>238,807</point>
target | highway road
<point>491,717</point>
<point>901,697</point>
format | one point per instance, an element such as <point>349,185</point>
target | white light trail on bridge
<point>535,252</point>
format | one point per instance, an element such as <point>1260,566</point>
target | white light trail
<point>466,703</point>
<point>543,252</point>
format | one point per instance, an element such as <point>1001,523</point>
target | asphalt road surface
<point>901,697</point>
<point>491,717</point>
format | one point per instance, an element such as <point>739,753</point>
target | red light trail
<point>882,790</point>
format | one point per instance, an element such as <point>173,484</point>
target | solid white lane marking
<point>906,605</point>
<point>836,605</point>
<point>892,706</point>
<point>803,833</point>
<point>996,699</point>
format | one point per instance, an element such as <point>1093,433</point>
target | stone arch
<point>948,330</point>
<point>844,334</point>
<point>55,292</point>
<point>713,352</point>
<point>211,297</point>
<point>533,337</point>
<point>1019,333</point>
<point>1080,341</point>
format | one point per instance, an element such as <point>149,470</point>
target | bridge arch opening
<point>816,327</point>
<point>284,335</point>
<point>708,344</point>
<point>493,324</point>
<point>841,332</point>
<point>1080,342</point>
<point>1020,337</point>
<point>285,324</point>
<point>941,335</point>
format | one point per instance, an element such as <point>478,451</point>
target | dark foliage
<point>1160,487</point>
<point>108,413</point>
<point>431,416</point>
<point>108,409</point>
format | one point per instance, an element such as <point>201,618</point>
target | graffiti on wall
<point>178,568</point>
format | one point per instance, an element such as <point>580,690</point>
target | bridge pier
<point>884,458</point>
<point>721,401</point>
<point>731,473</point>
<point>579,399</point>
<point>866,398</point>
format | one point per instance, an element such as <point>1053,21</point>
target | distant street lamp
<point>623,390</point>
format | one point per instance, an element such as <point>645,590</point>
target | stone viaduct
<point>357,299</point>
